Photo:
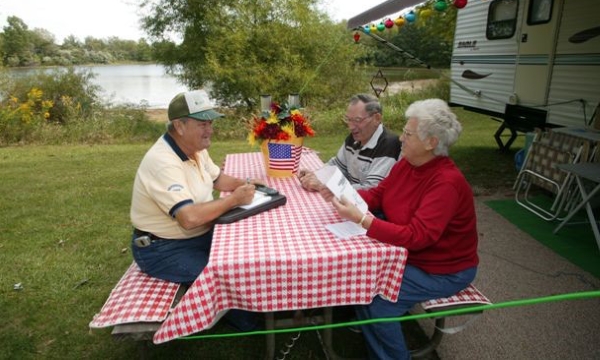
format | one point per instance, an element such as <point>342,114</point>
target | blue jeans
<point>385,340</point>
<point>181,261</point>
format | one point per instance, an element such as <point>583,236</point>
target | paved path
<point>514,266</point>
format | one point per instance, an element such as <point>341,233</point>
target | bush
<point>72,92</point>
<point>19,120</point>
<point>326,121</point>
<point>63,106</point>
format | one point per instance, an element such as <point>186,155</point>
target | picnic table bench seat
<point>138,304</point>
<point>468,297</point>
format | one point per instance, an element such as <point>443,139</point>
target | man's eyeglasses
<point>355,120</point>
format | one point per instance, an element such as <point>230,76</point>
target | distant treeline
<point>430,40</point>
<point>20,46</point>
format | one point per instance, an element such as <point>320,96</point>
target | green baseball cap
<point>194,104</point>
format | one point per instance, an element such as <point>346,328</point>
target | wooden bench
<point>468,297</point>
<point>138,305</point>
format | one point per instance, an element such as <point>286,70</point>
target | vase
<point>282,157</point>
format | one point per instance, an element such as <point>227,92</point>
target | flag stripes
<point>284,156</point>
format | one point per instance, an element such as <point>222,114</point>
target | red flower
<point>280,123</point>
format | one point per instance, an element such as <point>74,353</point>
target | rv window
<point>502,19</point>
<point>540,12</point>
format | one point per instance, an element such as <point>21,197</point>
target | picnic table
<point>284,259</point>
<point>278,261</point>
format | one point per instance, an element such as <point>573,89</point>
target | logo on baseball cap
<point>194,104</point>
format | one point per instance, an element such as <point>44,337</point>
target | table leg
<point>590,212</point>
<point>270,338</point>
<point>594,224</point>
<point>328,337</point>
<point>327,333</point>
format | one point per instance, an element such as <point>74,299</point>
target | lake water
<point>133,84</point>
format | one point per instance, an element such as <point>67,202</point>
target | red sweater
<point>430,211</point>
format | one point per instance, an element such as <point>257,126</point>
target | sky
<point>102,19</point>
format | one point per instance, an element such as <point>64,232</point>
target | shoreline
<point>158,115</point>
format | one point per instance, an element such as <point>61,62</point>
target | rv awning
<point>381,10</point>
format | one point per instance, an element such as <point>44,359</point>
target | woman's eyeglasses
<point>407,133</point>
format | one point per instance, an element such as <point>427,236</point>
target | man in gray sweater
<point>369,151</point>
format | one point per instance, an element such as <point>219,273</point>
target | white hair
<point>434,118</point>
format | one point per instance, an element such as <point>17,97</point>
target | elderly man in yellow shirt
<point>172,207</point>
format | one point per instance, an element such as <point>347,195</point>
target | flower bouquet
<point>280,123</point>
<point>280,132</point>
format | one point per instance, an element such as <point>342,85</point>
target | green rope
<point>506,304</point>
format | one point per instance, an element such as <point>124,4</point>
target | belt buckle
<point>142,241</point>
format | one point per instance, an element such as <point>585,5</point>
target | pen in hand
<point>249,181</point>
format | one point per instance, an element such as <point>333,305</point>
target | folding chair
<point>587,177</point>
<point>539,172</point>
<point>593,156</point>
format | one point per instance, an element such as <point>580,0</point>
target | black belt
<point>139,233</point>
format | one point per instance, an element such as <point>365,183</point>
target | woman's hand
<point>346,209</point>
<point>326,194</point>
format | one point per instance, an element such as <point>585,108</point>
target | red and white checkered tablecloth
<point>137,297</point>
<point>469,295</point>
<point>284,259</point>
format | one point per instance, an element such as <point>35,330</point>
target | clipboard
<point>239,213</point>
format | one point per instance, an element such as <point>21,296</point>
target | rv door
<point>536,49</point>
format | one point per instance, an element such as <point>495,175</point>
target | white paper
<point>346,229</point>
<point>259,198</point>
<point>335,181</point>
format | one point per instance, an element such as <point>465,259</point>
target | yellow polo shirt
<point>167,180</point>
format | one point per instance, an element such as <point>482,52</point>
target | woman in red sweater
<point>429,209</point>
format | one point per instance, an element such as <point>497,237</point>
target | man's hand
<point>309,180</point>
<point>254,181</point>
<point>244,194</point>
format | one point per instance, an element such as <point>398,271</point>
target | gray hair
<point>372,104</point>
<point>171,127</point>
<point>434,118</point>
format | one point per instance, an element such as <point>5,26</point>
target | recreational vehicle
<point>532,63</point>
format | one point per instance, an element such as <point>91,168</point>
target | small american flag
<point>284,156</point>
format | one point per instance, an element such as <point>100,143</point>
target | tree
<point>93,44</point>
<point>1,49</point>
<point>246,48</point>
<point>429,39</point>
<point>71,42</point>
<point>17,45</point>
<point>439,24</point>
<point>143,51</point>
<point>43,43</point>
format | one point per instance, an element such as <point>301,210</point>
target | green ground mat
<point>575,242</point>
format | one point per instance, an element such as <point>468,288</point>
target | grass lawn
<point>65,239</point>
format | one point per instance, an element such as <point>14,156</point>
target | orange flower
<point>279,123</point>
